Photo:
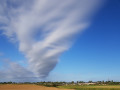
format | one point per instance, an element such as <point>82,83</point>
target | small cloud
<point>1,54</point>
<point>14,71</point>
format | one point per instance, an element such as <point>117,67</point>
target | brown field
<point>27,87</point>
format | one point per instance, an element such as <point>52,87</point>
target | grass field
<point>91,87</point>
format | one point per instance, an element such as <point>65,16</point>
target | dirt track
<point>27,87</point>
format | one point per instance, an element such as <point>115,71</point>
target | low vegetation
<point>91,87</point>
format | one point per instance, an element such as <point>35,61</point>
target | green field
<point>91,87</point>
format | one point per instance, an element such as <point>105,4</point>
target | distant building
<point>86,83</point>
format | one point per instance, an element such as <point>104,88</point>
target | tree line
<point>55,84</point>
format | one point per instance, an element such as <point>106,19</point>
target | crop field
<point>69,87</point>
<point>92,87</point>
<point>26,87</point>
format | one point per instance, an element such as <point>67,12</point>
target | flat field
<point>26,87</point>
<point>92,87</point>
<point>69,87</point>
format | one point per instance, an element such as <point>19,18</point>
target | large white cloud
<point>44,29</point>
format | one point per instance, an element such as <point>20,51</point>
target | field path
<point>27,87</point>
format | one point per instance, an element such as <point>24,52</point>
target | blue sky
<point>95,55</point>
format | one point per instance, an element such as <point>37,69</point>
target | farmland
<point>68,87</point>
<point>26,87</point>
<point>92,87</point>
<point>79,85</point>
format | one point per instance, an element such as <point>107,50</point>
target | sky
<point>62,41</point>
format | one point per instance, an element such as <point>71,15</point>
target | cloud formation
<point>44,29</point>
<point>1,54</point>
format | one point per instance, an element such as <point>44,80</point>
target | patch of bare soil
<point>27,87</point>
